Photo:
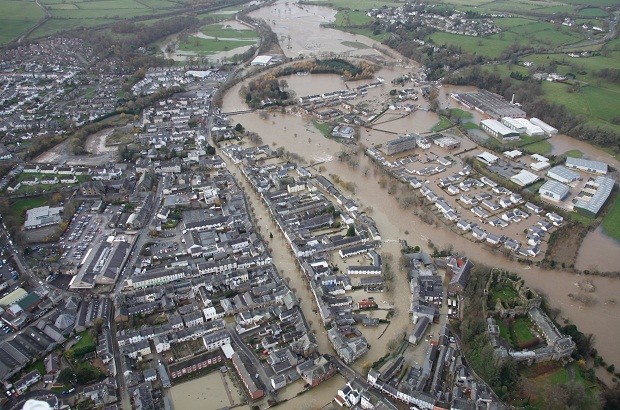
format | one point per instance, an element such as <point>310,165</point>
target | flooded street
<point>296,134</point>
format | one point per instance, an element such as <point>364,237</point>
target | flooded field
<point>299,30</point>
<point>215,390</point>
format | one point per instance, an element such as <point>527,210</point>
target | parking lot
<point>85,228</point>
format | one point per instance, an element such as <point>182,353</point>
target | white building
<point>498,130</point>
<point>548,129</point>
<point>594,167</point>
<point>554,190</point>
<point>261,60</point>
<point>523,126</point>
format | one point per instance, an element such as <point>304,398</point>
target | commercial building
<point>593,167</point>
<point>523,126</point>
<point>42,216</point>
<point>594,195</point>
<point>548,129</point>
<point>554,190</point>
<point>498,130</point>
<point>490,104</point>
<point>524,178</point>
<point>400,144</point>
<point>563,174</point>
<point>261,60</point>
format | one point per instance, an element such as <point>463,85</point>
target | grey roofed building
<point>400,144</point>
<point>554,190</point>
<point>563,174</point>
<point>592,205</point>
<point>419,330</point>
<point>42,216</point>
<point>595,167</point>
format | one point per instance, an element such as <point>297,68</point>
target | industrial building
<point>498,130</point>
<point>261,60</point>
<point>490,104</point>
<point>594,167</point>
<point>548,129</point>
<point>554,190</point>
<point>523,126</point>
<point>563,174</point>
<point>400,144</point>
<point>594,195</point>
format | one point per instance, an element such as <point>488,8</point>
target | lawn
<point>443,124</point>
<point>19,207</point>
<point>504,292</point>
<point>324,128</point>
<point>521,332</point>
<point>611,221</point>
<point>361,4</point>
<point>511,22</point>
<point>219,31</point>
<point>54,26</point>
<point>211,46</point>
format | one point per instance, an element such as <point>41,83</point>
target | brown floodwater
<point>299,30</point>
<point>598,252</point>
<point>299,136</point>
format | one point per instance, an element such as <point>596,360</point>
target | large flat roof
<point>597,166</point>
<point>596,202</point>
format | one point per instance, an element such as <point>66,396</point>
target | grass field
<point>324,128</point>
<point>611,222</point>
<point>351,18</point>
<point>540,147</point>
<point>574,153</point>
<point>219,31</point>
<point>16,17</point>
<point>593,12</point>
<point>442,124</point>
<point>203,46</point>
<point>19,207</point>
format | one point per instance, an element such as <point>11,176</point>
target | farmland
<point>19,16</point>
<point>16,17</point>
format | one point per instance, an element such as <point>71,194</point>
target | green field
<point>203,46</point>
<point>611,222</point>
<point>503,292</point>
<point>324,128</point>
<point>351,18</point>
<point>16,17</point>
<point>574,153</point>
<point>359,4</point>
<point>443,124</point>
<point>540,147</point>
<point>19,207</point>
<point>219,31</point>
<point>593,12</point>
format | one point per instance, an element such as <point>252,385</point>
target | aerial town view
<point>309,204</point>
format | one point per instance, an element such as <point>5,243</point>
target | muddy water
<point>294,133</point>
<point>299,30</point>
<point>206,392</point>
<point>597,252</point>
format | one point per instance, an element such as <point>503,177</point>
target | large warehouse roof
<point>596,166</point>
<point>604,187</point>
